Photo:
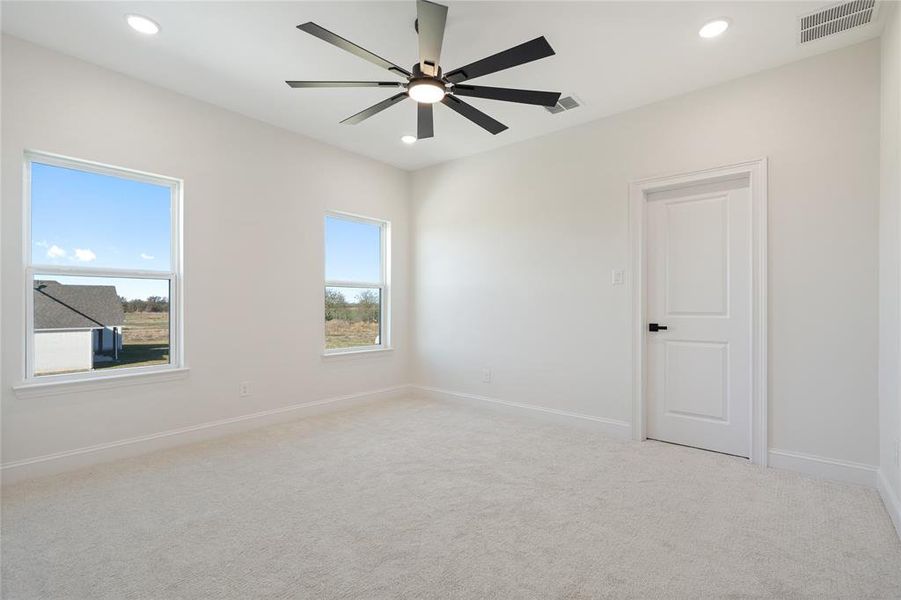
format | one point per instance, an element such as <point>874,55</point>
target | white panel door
<point>699,288</point>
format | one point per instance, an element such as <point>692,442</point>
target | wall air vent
<point>836,18</point>
<point>567,103</point>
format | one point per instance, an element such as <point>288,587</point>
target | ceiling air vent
<point>567,103</point>
<point>836,18</point>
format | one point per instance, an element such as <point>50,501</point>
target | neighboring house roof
<point>58,306</point>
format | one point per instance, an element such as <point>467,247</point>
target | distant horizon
<point>109,281</point>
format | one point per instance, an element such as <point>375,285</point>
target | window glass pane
<point>92,323</point>
<point>352,251</point>
<point>79,218</point>
<point>352,317</point>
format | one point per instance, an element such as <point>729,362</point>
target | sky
<point>80,218</point>
<point>87,219</point>
<point>352,252</point>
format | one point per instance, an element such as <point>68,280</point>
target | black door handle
<point>655,327</point>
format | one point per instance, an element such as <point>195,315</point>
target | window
<point>102,270</point>
<point>356,284</point>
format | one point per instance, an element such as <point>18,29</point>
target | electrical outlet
<point>617,277</point>
<point>486,375</point>
<point>244,389</point>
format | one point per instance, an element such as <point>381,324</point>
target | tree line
<point>155,304</point>
<point>364,310</point>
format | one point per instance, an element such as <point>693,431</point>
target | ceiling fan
<point>427,84</point>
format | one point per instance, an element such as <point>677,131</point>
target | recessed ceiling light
<point>714,28</point>
<point>408,139</point>
<point>142,24</point>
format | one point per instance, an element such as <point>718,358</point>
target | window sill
<point>37,389</point>
<point>356,353</point>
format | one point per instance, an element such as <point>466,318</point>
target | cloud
<point>41,244</point>
<point>55,251</point>
<point>84,255</point>
<point>146,256</point>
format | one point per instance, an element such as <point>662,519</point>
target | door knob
<point>656,327</point>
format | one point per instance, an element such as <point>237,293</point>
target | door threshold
<point>698,448</point>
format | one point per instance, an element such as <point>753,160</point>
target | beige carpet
<point>414,499</point>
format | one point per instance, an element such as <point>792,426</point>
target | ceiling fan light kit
<point>427,85</point>
<point>424,89</point>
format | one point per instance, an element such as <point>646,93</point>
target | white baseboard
<point>91,455</point>
<point>618,429</point>
<point>824,468</point>
<point>891,501</point>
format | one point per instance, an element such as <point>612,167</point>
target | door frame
<point>756,170</point>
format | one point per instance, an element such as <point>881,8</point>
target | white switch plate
<point>618,276</point>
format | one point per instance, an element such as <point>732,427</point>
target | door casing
<point>756,170</point>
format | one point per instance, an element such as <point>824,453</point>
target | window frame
<point>174,276</point>
<point>384,286</point>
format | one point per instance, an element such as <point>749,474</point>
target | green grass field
<point>347,334</point>
<point>145,341</point>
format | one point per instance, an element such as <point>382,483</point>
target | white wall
<point>890,258</point>
<point>65,350</point>
<point>514,250</point>
<point>253,212</point>
<point>548,215</point>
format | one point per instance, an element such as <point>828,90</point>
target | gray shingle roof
<point>58,306</point>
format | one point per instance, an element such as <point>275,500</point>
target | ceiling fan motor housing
<point>425,88</point>
<point>418,74</point>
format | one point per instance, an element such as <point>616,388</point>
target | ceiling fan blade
<point>431,18</point>
<point>374,109</point>
<point>336,40</point>
<point>425,122</point>
<point>517,55</point>
<point>474,115</point>
<point>342,84</point>
<point>508,94</point>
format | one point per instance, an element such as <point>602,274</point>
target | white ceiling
<point>612,55</point>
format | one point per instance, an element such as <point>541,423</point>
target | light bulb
<point>714,28</point>
<point>142,24</point>
<point>427,91</point>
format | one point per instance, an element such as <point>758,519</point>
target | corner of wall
<point>890,266</point>
<point>890,499</point>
